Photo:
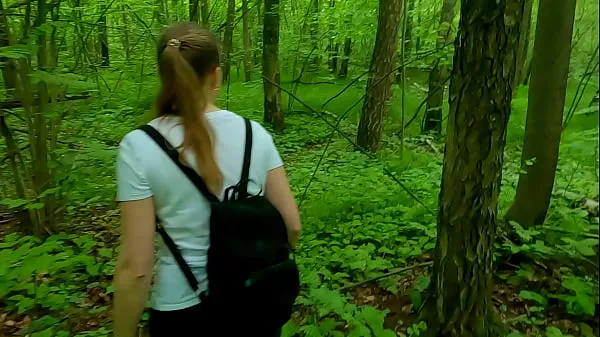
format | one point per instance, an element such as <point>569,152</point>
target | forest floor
<point>358,224</point>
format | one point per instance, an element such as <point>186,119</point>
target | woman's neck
<point>210,107</point>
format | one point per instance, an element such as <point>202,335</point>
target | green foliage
<point>52,275</point>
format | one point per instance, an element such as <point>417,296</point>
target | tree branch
<point>13,104</point>
<point>368,154</point>
<point>388,274</point>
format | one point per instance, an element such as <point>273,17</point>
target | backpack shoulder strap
<point>174,155</point>
<point>200,185</point>
<point>247,158</point>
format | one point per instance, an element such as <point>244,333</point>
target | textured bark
<point>332,48</point>
<point>160,12</point>
<point>247,45</point>
<point>125,35</point>
<point>523,44</point>
<point>406,44</point>
<point>439,72</point>
<point>54,9</point>
<point>228,39</point>
<point>103,37</point>
<point>345,58</point>
<point>272,102</point>
<point>314,31</point>
<point>379,83</point>
<point>259,34</point>
<point>9,74</point>
<point>194,11</point>
<point>42,55</point>
<point>205,11</point>
<point>16,163</point>
<point>480,105</point>
<point>549,73</point>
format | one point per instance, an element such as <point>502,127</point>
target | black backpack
<point>252,282</point>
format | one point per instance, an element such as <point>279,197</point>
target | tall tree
<point>406,44</point>
<point>272,103</point>
<point>246,37</point>
<point>205,12</point>
<point>314,31</point>
<point>53,52</point>
<point>480,105</point>
<point>333,47</point>
<point>523,44</point>
<point>125,35</point>
<point>343,72</point>
<point>103,35</point>
<point>439,72</point>
<point>9,74</point>
<point>42,55</point>
<point>549,73</point>
<point>259,34</point>
<point>228,39</point>
<point>379,83</point>
<point>194,11</point>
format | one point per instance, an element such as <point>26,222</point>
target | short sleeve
<point>131,179</point>
<point>272,158</point>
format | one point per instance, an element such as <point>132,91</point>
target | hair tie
<point>174,43</point>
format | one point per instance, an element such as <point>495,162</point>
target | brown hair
<point>186,54</point>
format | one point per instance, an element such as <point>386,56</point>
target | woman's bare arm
<point>134,265</point>
<point>279,194</point>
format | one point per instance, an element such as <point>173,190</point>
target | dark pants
<point>195,321</point>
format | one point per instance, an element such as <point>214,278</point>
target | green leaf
<point>422,283</point>
<point>415,298</point>
<point>16,51</point>
<point>553,332</point>
<point>289,329</point>
<point>586,247</point>
<point>515,334</point>
<point>46,333</point>
<point>533,296</point>
<point>25,305</point>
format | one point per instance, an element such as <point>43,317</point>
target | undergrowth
<point>358,224</point>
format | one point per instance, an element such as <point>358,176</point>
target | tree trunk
<point>228,39</point>
<point>343,73</point>
<point>406,45</point>
<point>204,10</point>
<point>273,114</point>
<point>103,36</point>
<point>54,14</point>
<point>549,73</point>
<point>42,55</point>
<point>379,84</point>
<point>418,37</point>
<point>16,163</point>
<point>160,12</point>
<point>523,44</point>
<point>314,32</point>
<point>9,74</point>
<point>480,105</point>
<point>259,34</point>
<point>332,48</point>
<point>439,72</point>
<point>247,45</point>
<point>125,36</point>
<point>194,11</point>
<point>525,74</point>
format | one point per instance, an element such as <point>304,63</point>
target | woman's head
<point>190,76</point>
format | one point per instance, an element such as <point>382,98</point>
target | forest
<point>443,154</point>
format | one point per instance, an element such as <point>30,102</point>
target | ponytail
<point>182,93</point>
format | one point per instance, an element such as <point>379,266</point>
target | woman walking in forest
<point>192,190</point>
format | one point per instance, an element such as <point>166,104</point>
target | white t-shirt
<point>144,170</point>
